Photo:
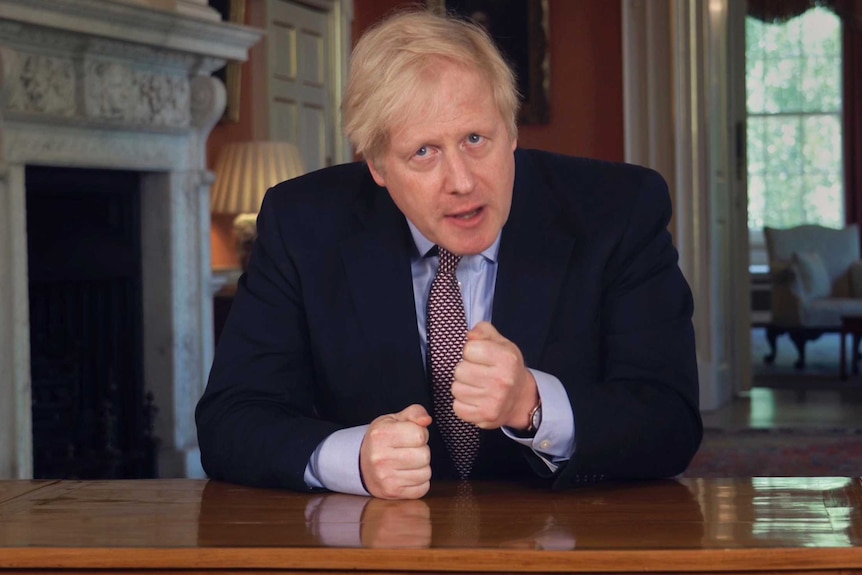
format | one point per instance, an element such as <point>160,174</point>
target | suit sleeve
<point>256,421</point>
<point>641,418</point>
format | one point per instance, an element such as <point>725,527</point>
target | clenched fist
<point>395,460</point>
<point>493,388</point>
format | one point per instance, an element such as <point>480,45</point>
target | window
<point>793,102</point>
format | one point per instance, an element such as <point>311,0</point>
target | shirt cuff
<point>554,441</point>
<point>330,465</point>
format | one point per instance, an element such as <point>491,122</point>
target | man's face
<point>450,168</point>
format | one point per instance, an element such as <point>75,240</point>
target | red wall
<point>224,254</point>
<point>586,104</point>
<point>586,76</point>
<point>586,82</point>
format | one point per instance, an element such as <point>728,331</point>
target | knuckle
<point>377,461</point>
<point>376,432</point>
<point>510,359</point>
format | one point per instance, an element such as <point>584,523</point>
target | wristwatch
<point>535,418</point>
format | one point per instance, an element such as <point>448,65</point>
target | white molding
<point>343,19</point>
<point>700,93</point>
<point>15,437</point>
<point>674,100</point>
<point>97,84</point>
<point>745,248</point>
<point>143,25</point>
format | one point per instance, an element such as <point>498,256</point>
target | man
<point>346,363</point>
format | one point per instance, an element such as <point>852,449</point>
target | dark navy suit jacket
<point>322,333</point>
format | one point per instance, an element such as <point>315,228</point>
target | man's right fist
<point>395,460</point>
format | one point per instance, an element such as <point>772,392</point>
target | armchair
<point>816,276</point>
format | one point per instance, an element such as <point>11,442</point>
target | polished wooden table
<point>765,525</point>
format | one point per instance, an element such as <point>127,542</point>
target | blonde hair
<point>395,61</point>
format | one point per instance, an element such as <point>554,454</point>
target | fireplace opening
<point>91,416</point>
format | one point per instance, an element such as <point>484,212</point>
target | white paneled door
<point>300,69</point>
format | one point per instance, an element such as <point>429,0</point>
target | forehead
<point>444,99</point>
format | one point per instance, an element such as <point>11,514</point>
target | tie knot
<point>448,262</point>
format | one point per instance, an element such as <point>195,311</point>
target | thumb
<point>414,413</point>
<point>484,330</point>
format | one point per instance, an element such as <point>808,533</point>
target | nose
<point>459,174</point>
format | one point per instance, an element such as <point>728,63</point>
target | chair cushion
<point>812,272</point>
<point>837,247</point>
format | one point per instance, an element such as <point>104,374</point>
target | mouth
<point>467,215</point>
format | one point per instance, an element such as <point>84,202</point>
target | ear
<point>376,174</point>
<point>514,144</point>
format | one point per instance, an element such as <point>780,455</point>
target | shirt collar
<point>424,245</point>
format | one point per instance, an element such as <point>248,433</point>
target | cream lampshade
<point>244,172</point>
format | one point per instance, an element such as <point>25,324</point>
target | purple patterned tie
<point>447,334</point>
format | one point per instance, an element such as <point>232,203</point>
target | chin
<point>472,246</point>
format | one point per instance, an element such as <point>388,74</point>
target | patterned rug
<point>766,453</point>
<point>786,452</point>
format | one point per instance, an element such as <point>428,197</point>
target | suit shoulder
<point>321,205</point>
<point>324,187</point>
<point>587,174</point>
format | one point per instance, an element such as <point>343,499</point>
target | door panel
<point>299,81</point>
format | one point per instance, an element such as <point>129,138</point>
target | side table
<point>852,325</point>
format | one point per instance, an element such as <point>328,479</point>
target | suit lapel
<point>377,264</point>
<point>534,255</point>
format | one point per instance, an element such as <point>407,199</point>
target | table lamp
<point>244,172</point>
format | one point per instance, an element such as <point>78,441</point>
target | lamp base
<point>245,231</point>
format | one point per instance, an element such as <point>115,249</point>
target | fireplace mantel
<point>118,84</point>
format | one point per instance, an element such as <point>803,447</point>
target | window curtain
<point>850,12</point>
<point>851,15</point>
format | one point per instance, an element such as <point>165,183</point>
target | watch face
<point>537,418</point>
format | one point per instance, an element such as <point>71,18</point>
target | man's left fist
<point>492,387</point>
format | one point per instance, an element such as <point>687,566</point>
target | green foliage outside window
<point>793,98</point>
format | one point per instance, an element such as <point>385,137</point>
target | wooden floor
<point>808,409</point>
<point>785,398</point>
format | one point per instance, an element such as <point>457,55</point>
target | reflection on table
<point>685,525</point>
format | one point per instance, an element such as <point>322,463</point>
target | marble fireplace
<point>117,85</point>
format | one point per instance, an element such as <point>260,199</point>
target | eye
<point>422,152</point>
<point>475,139</point>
